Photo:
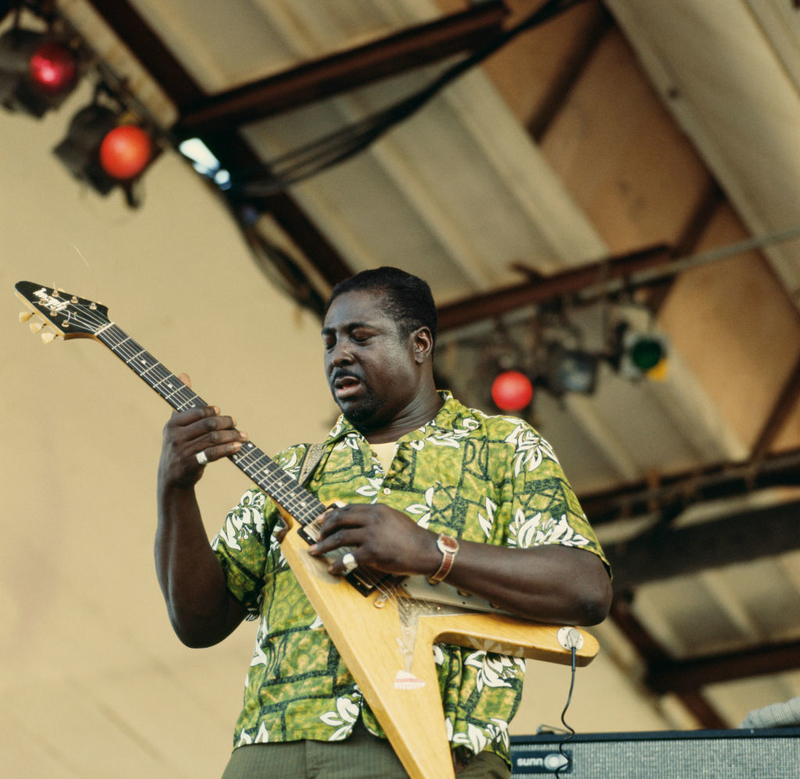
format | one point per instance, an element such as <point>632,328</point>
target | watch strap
<point>448,546</point>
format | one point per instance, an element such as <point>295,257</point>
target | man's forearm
<point>201,609</point>
<point>549,583</point>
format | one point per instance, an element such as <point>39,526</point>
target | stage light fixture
<point>567,370</point>
<point>640,354</point>
<point>104,151</point>
<point>37,71</point>
<point>205,162</point>
<point>512,391</point>
<point>125,152</point>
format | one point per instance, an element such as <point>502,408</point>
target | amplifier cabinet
<point>668,754</point>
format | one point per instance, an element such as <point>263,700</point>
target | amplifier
<point>668,754</point>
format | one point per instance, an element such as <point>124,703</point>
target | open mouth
<point>346,386</point>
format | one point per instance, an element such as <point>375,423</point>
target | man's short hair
<point>409,301</point>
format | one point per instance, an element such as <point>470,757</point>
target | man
<point>415,469</point>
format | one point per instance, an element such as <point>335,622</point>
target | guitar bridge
<point>364,581</point>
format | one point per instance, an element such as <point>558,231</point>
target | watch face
<point>447,543</point>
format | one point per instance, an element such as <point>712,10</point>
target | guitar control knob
<point>24,316</point>
<point>48,338</point>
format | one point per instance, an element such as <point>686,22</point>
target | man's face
<point>370,367</point>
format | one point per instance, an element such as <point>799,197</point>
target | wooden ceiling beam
<point>689,239</point>
<point>491,304</point>
<point>665,552</point>
<point>691,675</point>
<point>722,480</point>
<point>654,656</point>
<point>149,48</point>
<point>570,72</point>
<point>783,408</point>
<point>342,71</point>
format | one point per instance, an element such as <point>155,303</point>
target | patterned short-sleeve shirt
<point>488,479</point>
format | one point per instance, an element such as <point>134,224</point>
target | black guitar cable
<point>566,760</point>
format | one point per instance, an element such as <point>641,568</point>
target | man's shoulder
<point>456,415</point>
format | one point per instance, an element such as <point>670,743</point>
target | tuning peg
<point>48,337</point>
<point>36,326</point>
<point>24,316</point>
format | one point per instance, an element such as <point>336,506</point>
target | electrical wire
<point>566,761</point>
<point>340,145</point>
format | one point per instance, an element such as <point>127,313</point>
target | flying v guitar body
<point>387,641</point>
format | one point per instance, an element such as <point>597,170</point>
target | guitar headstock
<point>68,315</point>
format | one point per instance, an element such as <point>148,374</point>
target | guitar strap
<point>311,460</point>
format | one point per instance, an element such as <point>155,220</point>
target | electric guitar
<point>383,626</point>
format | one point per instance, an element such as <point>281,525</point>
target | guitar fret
<point>148,368</point>
<point>130,360</point>
<point>277,483</point>
<point>280,485</point>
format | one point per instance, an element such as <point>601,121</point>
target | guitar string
<point>253,462</point>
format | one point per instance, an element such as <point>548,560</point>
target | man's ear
<point>422,341</point>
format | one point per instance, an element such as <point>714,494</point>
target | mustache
<point>339,375</point>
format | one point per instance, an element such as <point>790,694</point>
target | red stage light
<point>53,68</point>
<point>125,152</point>
<point>512,391</point>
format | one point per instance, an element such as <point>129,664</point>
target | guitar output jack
<point>570,638</point>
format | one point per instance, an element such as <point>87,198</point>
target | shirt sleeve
<point>545,509</point>
<point>245,545</point>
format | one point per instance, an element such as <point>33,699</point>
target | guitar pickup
<point>310,532</point>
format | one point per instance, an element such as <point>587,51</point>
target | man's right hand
<point>201,609</point>
<point>190,433</point>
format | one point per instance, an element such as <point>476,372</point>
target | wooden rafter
<point>569,73</point>
<point>693,674</point>
<point>666,552</point>
<point>342,71</point>
<point>571,282</point>
<point>784,405</point>
<point>721,480</point>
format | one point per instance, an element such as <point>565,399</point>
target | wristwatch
<point>448,546</point>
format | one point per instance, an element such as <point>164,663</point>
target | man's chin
<point>357,414</point>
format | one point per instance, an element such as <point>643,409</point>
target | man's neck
<point>417,417</point>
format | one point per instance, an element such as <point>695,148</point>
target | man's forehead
<point>362,307</point>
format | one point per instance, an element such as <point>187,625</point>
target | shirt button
<point>387,491</point>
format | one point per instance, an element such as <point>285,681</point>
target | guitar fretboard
<point>270,477</point>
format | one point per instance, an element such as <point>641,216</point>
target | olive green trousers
<point>362,756</point>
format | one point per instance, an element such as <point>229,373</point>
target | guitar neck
<point>286,491</point>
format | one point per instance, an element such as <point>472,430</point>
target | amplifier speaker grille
<point>695,754</point>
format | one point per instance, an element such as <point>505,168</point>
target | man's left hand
<point>379,537</point>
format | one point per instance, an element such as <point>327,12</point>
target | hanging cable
<point>340,145</point>
<point>566,760</point>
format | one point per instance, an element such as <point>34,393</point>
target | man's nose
<point>340,354</point>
